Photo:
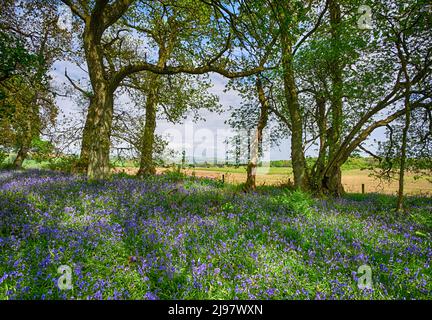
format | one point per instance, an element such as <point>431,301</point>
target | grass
<point>178,237</point>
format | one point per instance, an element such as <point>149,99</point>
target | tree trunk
<point>284,12</point>
<point>147,166</point>
<point>99,165</point>
<point>333,179</point>
<point>83,164</point>
<point>257,139</point>
<point>21,156</point>
<point>297,151</point>
<point>97,131</point>
<point>327,175</point>
<point>317,172</point>
<point>399,205</point>
<point>332,182</point>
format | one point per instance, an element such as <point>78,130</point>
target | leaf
<point>421,234</point>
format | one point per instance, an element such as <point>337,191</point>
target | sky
<point>204,140</point>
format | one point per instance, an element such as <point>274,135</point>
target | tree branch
<point>85,93</point>
<point>115,11</point>
<point>169,70</point>
<point>318,23</point>
<point>384,122</point>
<point>373,155</point>
<point>75,9</point>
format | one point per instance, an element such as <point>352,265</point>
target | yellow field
<point>352,180</point>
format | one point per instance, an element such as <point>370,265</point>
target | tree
<point>291,18</point>
<point>128,126</point>
<point>258,136</point>
<point>407,33</point>
<point>168,32</point>
<point>100,16</point>
<point>177,97</point>
<point>418,148</point>
<point>15,59</point>
<point>369,78</point>
<point>32,45</point>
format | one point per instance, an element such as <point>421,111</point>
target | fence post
<point>363,188</point>
<point>223,179</point>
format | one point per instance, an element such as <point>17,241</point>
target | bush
<point>3,156</point>
<point>41,150</point>
<point>175,175</point>
<point>68,163</point>
<point>296,201</point>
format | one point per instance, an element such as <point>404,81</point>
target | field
<point>352,179</point>
<point>178,237</point>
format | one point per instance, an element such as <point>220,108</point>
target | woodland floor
<point>177,237</point>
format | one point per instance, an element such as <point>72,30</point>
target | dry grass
<point>352,180</point>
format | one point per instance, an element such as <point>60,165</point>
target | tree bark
<point>336,79</point>
<point>399,206</point>
<point>21,156</point>
<point>332,180</point>
<point>99,165</point>
<point>327,174</point>
<point>147,166</point>
<point>96,142</point>
<point>82,166</point>
<point>30,126</point>
<point>291,95</point>
<point>257,139</point>
<point>407,105</point>
<point>317,172</point>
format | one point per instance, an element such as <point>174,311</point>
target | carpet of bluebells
<point>159,238</point>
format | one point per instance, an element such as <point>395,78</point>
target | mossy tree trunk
<point>258,137</point>
<point>147,166</point>
<point>291,96</point>
<point>153,85</point>
<point>96,140</point>
<point>21,156</point>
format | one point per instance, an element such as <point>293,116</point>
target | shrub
<point>175,175</point>
<point>67,163</point>
<point>3,156</point>
<point>41,150</point>
<point>296,201</point>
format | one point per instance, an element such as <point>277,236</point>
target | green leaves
<point>14,57</point>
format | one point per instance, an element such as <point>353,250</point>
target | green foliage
<point>65,163</point>
<point>41,149</point>
<point>14,57</point>
<point>125,242</point>
<point>3,156</point>
<point>280,163</point>
<point>352,163</point>
<point>296,201</point>
<point>175,174</point>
